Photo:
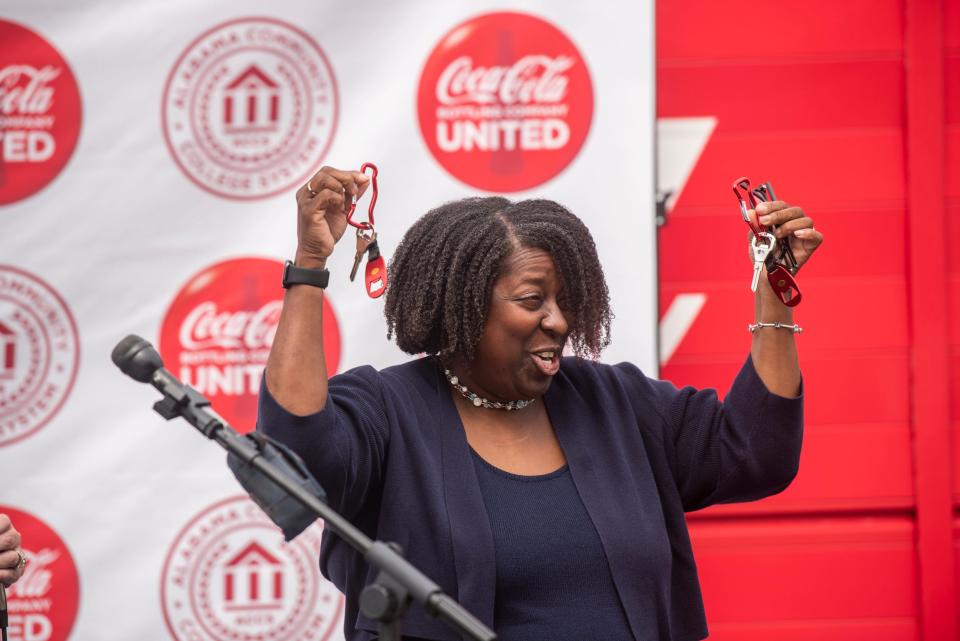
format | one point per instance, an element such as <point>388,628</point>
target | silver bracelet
<point>753,327</point>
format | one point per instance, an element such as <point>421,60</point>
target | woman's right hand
<point>11,555</point>
<point>322,206</point>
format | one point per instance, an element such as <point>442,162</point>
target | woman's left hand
<point>794,224</point>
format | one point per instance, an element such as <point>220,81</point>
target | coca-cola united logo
<point>39,112</point>
<point>505,101</point>
<point>42,605</point>
<point>217,333</point>
<point>207,327</point>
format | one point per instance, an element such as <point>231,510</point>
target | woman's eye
<point>532,302</point>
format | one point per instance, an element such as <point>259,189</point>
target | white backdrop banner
<point>149,156</point>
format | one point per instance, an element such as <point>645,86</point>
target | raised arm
<point>296,369</point>
<point>774,351</point>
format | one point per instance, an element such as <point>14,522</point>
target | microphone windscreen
<point>136,358</point>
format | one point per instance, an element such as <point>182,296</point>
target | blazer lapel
<point>472,538</point>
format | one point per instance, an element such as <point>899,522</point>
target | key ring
<point>368,224</point>
<point>781,266</point>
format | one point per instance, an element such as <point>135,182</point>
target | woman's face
<point>523,337</point>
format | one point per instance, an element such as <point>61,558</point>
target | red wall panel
<point>840,389</point>
<point>952,231</point>
<point>762,97</point>
<point>841,258</point>
<point>869,561</point>
<point>715,32</point>
<point>721,327</point>
<point>881,482</point>
<point>833,169</point>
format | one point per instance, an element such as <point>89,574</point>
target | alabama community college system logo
<point>217,334</point>
<point>230,576</point>
<point>42,605</point>
<point>39,112</point>
<point>39,353</point>
<point>250,108</point>
<point>505,101</point>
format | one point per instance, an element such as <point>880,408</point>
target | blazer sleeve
<point>344,444</point>
<point>742,449</point>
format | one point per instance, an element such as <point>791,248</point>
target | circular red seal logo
<point>42,605</point>
<point>39,353</point>
<point>505,101</point>
<point>250,108</point>
<point>39,112</point>
<point>217,334</point>
<point>230,576</point>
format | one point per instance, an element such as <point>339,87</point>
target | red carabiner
<point>373,199</point>
<point>744,184</point>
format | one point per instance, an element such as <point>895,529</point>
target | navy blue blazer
<point>390,450</point>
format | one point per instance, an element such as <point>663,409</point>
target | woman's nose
<point>554,320</point>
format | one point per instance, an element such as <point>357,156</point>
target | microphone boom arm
<point>387,598</point>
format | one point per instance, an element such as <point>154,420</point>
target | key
<point>365,238</point>
<point>373,249</point>
<point>760,251</point>
<point>786,256</point>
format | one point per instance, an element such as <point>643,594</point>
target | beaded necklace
<point>479,401</point>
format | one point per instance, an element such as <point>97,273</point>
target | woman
<point>546,494</point>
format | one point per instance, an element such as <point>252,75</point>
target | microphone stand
<point>386,599</point>
<point>3,613</point>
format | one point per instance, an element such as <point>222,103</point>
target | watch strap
<point>293,275</point>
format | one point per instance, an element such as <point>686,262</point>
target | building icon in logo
<point>8,351</point>
<point>253,579</point>
<point>251,102</point>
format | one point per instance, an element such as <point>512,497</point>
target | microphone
<point>138,359</point>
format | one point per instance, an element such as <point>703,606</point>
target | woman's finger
<point>792,226</point>
<point>327,199</point>
<point>363,181</point>
<point>812,238</point>
<point>324,180</point>
<point>349,180</point>
<point>9,540</point>
<point>769,207</point>
<point>774,214</point>
<point>10,560</point>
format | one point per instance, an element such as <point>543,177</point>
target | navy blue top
<point>553,580</point>
<point>391,452</point>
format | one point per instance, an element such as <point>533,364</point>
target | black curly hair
<point>443,271</point>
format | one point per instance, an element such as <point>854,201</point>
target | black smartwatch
<point>293,275</point>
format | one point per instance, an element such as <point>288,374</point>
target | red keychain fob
<point>375,273</point>
<point>784,286</point>
<point>376,277</point>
